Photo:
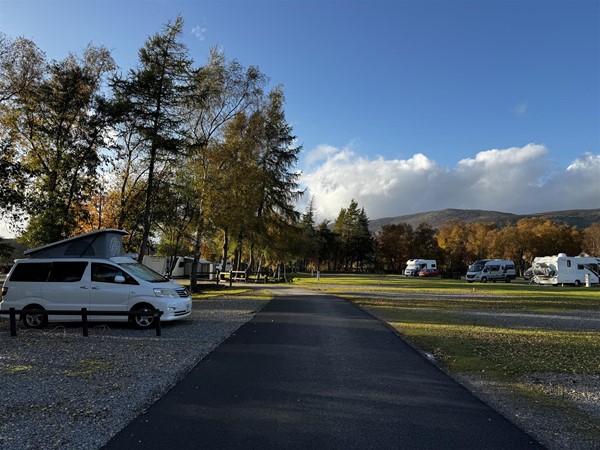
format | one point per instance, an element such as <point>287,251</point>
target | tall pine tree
<point>152,95</point>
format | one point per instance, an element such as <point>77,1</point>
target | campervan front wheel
<point>142,320</point>
<point>484,279</point>
<point>577,282</point>
<point>35,320</point>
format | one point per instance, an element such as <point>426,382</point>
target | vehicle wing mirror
<point>119,279</point>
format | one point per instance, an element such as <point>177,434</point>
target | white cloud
<point>521,109</point>
<point>509,156</point>
<point>517,180</point>
<point>199,32</point>
<point>321,153</point>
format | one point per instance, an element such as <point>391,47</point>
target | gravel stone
<point>61,390</point>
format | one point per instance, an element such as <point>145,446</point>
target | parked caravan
<point>156,263</point>
<point>179,266</point>
<point>563,269</point>
<point>414,266</point>
<point>494,270</point>
<point>205,269</point>
<point>88,272</point>
<point>168,266</point>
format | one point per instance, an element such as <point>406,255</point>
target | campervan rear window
<point>31,271</point>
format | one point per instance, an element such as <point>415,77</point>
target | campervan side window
<point>31,272</point>
<point>68,271</point>
<point>106,273</point>
<point>143,272</point>
<point>579,266</point>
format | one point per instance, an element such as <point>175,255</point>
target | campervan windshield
<point>477,266</point>
<point>143,272</point>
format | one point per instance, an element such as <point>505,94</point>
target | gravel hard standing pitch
<point>61,390</point>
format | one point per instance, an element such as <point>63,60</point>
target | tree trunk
<point>148,205</point>
<point>197,254</point>
<point>225,248</point>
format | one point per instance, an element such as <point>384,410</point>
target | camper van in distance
<point>414,266</point>
<point>493,270</point>
<point>179,266</point>
<point>563,269</point>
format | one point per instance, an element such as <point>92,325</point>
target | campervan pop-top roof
<point>96,244</point>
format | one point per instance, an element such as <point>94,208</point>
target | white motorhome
<point>563,269</point>
<point>493,270</point>
<point>414,266</point>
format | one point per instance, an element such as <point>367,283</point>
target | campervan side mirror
<point>119,279</point>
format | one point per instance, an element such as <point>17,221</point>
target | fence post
<point>157,315</point>
<point>84,320</point>
<point>13,322</point>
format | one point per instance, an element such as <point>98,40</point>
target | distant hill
<point>580,218</point>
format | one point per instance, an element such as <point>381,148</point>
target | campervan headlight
<point>161,292</point>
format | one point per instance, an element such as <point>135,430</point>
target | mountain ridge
<point>580,218</point>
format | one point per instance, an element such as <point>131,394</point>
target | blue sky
<point>406,106</point>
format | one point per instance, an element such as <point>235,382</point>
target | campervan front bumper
<point>177,310</point>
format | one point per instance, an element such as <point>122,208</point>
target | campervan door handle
<point>84,287</point>
<point>96,288</point>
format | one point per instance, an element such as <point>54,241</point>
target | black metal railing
<point>84,313</point>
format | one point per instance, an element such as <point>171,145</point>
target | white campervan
<point>115,284</point>
<point>491,270</point>
<point>563,269</point>
<point>414,266</point>
<point>87,271</point>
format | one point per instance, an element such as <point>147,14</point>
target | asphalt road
<point>314,371</point>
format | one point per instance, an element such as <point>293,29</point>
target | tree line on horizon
<point>347,245</point>
<point>456,244</point>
